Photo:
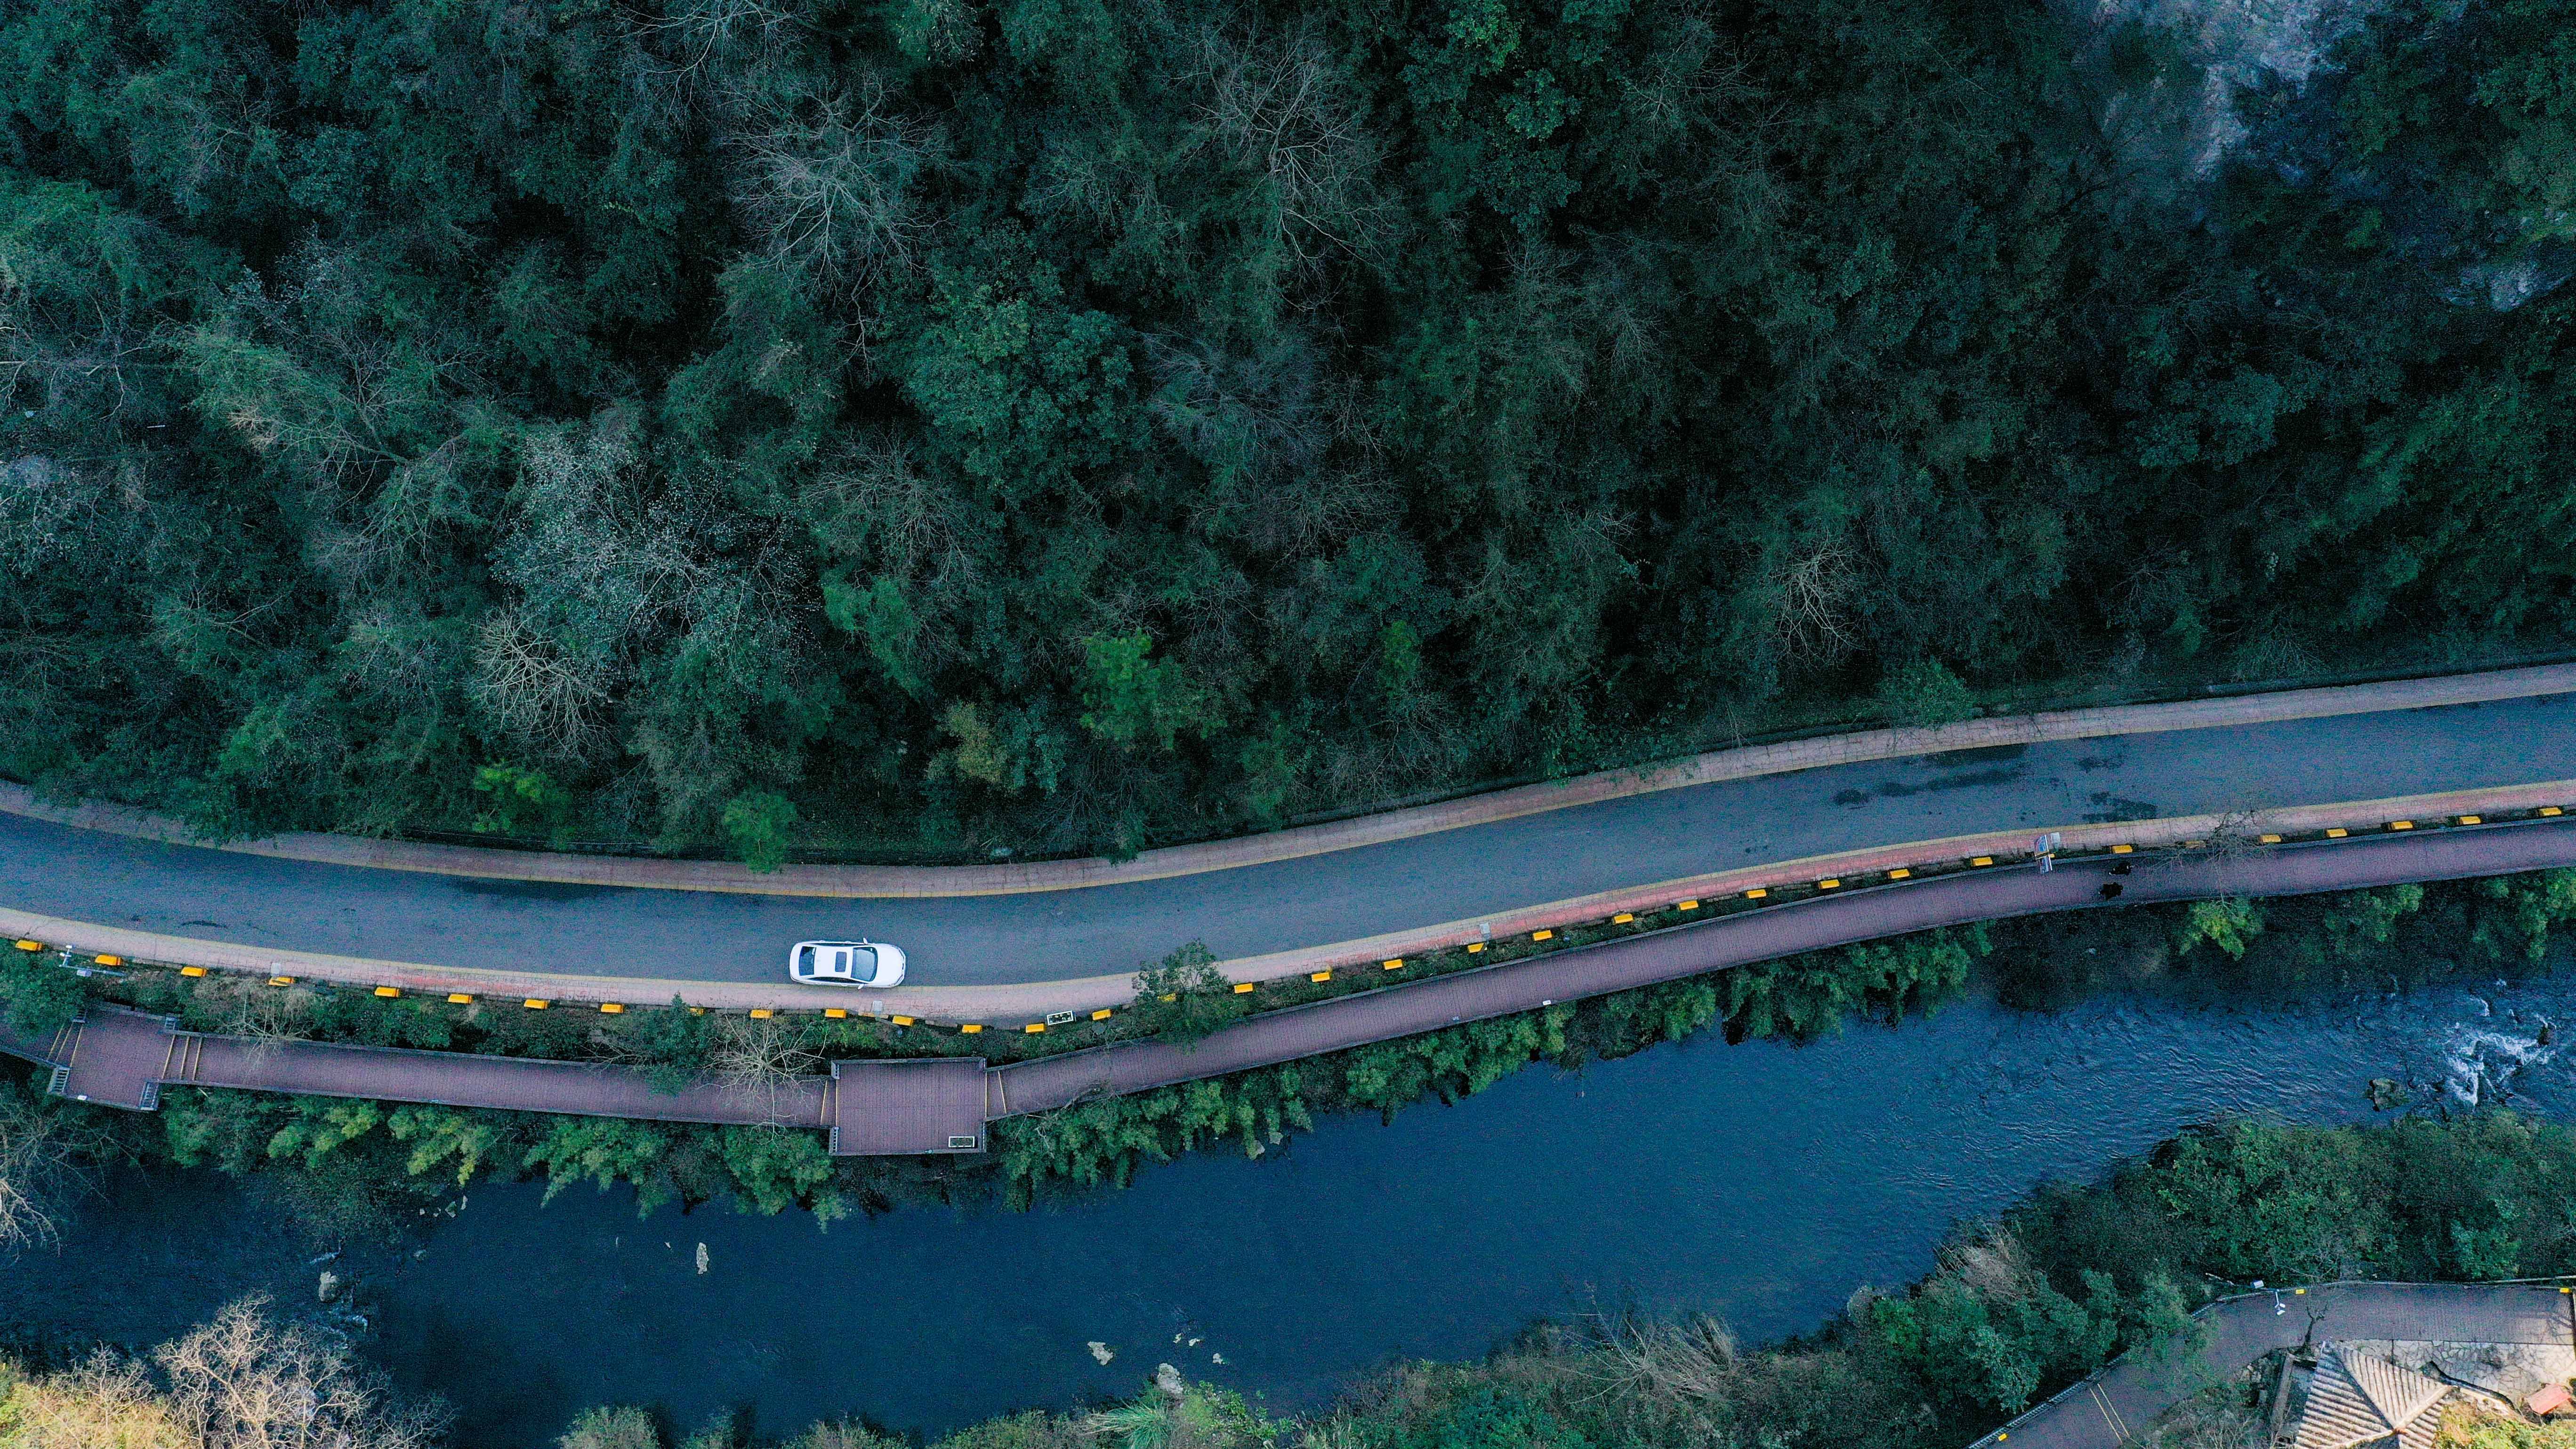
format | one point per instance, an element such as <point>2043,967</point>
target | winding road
<point>2494,771</point>
<point>269,902</point>
<point>122,1058</point>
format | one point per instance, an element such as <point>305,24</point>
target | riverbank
<point>400,1152</point>
<point>2031,1293</point>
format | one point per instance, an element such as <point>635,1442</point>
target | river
<point>1760,1181</point>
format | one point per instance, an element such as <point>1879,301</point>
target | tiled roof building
<point>2362,1401</point>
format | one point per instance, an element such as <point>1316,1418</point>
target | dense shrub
<point>940,427</point>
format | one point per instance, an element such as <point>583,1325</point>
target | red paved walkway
<point>1740,940</point>
<point>122,1057</point>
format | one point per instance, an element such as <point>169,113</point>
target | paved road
<point>1281,1036</point>
<point>2119,1403</point>
<point>120,1057</point>
<point>1317,900</point>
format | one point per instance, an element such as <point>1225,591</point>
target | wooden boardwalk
<point>122,1058</point>
<point>1815,924</point>
<point>119,1058</point>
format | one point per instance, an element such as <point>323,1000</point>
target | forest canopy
<point>1053,425</point>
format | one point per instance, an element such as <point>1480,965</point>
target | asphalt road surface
<point>1317,900</point>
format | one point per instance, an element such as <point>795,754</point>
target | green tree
<point>760,824</point>
<point>2230,923</point>
<point>1926,693</point>
<point>1184,997</point>
<point>612,1428</point>
<point>1134,700</point>
<point>519,797</point>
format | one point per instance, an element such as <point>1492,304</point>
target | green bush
<point>41,994</point>
<point>1056,427</point>
<point>1184,997</point>
<point>2014,1309</point>
<point>1925,692</point>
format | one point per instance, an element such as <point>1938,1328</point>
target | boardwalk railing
<point>119,1057</point>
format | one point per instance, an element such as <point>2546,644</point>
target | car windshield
<point>805,959</point>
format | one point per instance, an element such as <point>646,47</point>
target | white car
<point>845,963</point>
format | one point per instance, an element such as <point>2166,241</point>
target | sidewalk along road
<point>1485,872</point>
<point>123,1058</point>
<point>1047,1083</point>
<point>1010,877</point>
<point>1029,1001</point>
<point>2118,1405</point>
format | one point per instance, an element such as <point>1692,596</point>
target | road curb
<point>1009,1005</point>
<point>898,882</point>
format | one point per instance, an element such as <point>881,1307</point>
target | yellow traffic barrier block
<point>1755,894</point>
<point>1829,884</point>
<point>192,970</point>
<point>2473,820</point>
<point>387,991</point>
<point>31,945</point>
<point>1475,946</point>
<point>2123,849</point>
<point>108,960</point>
<point>1242,987</point>
<point>2551,810</point>
<point>900,1020</point>
<point>2269,839</point>
<point>1035,1028</point>
<point>459,998</point>
<point>1983,860</point>
<point>697,1011</point>
<point>1393,963</point>
<point>281,981</point>
<point>1623,918</point>
<point>971,1027</point>
<point>1900,873</point>
<point>536,1003</point>
<point>611,1008</point>
<point>837,1013</point>
<point>1169,996</point>
<point>1102,1014</point>
<point>1319,975</point>
<point>2401,824</point>
<point>1542,935</point>
<point>762,1013</point>
<point>1686,906</point>
<point>2337,833</point>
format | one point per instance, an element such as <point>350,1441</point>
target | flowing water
<point>1762,1182</point>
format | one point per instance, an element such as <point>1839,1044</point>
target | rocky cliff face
<point>2175,68</point>
<point>2188,87</point>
